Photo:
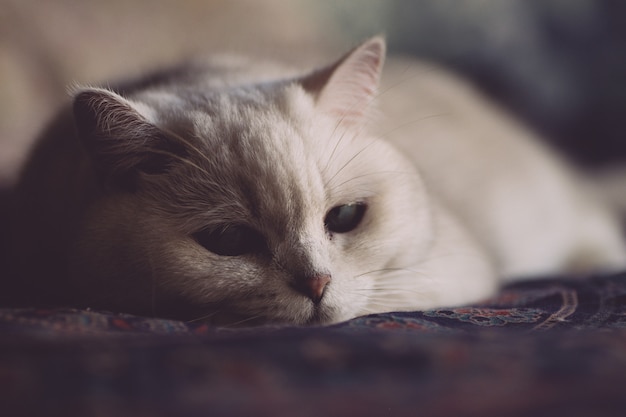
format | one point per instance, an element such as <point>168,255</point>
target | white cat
<point>243,193</point>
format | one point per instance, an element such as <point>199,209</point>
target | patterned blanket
<point>552,347</point>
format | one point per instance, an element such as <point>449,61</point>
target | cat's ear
<point>346,88</point>
<point>119,138</point>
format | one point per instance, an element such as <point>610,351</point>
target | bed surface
<point>552,347</point>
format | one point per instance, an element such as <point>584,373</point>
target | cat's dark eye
<point>232,240</point>
<point>344,218</point>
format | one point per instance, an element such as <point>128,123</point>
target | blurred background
<point>558,65</point>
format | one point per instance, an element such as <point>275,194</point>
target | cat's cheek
<point>204,276</point>
<point>247,291</point>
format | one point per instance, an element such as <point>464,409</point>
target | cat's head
<point>266,202</point>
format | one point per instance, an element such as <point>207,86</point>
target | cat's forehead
<point>267,154</point>
<point>221,115</point>
<point>248,130</point>
<point>249,156</point>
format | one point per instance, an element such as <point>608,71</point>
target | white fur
<point>532,213</point>
<point>468,200</point>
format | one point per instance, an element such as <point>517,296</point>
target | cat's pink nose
<point>314,286</point>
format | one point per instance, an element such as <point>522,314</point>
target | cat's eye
<point>232,240</point>
<point>344,218</point>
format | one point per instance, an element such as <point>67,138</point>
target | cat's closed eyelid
<point>231,240</point>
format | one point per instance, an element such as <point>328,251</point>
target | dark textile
<point>552,347</point>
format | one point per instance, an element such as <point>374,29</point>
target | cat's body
<point>251,194</point>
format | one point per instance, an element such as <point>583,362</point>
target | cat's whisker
<point>379,93</point>
<point>398,269</point>
<point>337,186</point>
<point>238,323</point>
<point>451,254</point>
<point>378,308</point>
<point>382,293</point>
<point>203,317</point>
<point>397,283</point>
<point>388,306</point>
<point>388,283</point>
<point>337,143</point>
<point>356,155</point>
<point>189,145</point>
<point>402,80</point>
<point>368,302</point>
<point>341,120</point>
<point>181,159</point>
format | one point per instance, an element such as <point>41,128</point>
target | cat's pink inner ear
<point>346,88</point>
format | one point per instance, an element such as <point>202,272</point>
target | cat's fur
<point>107,212</point>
